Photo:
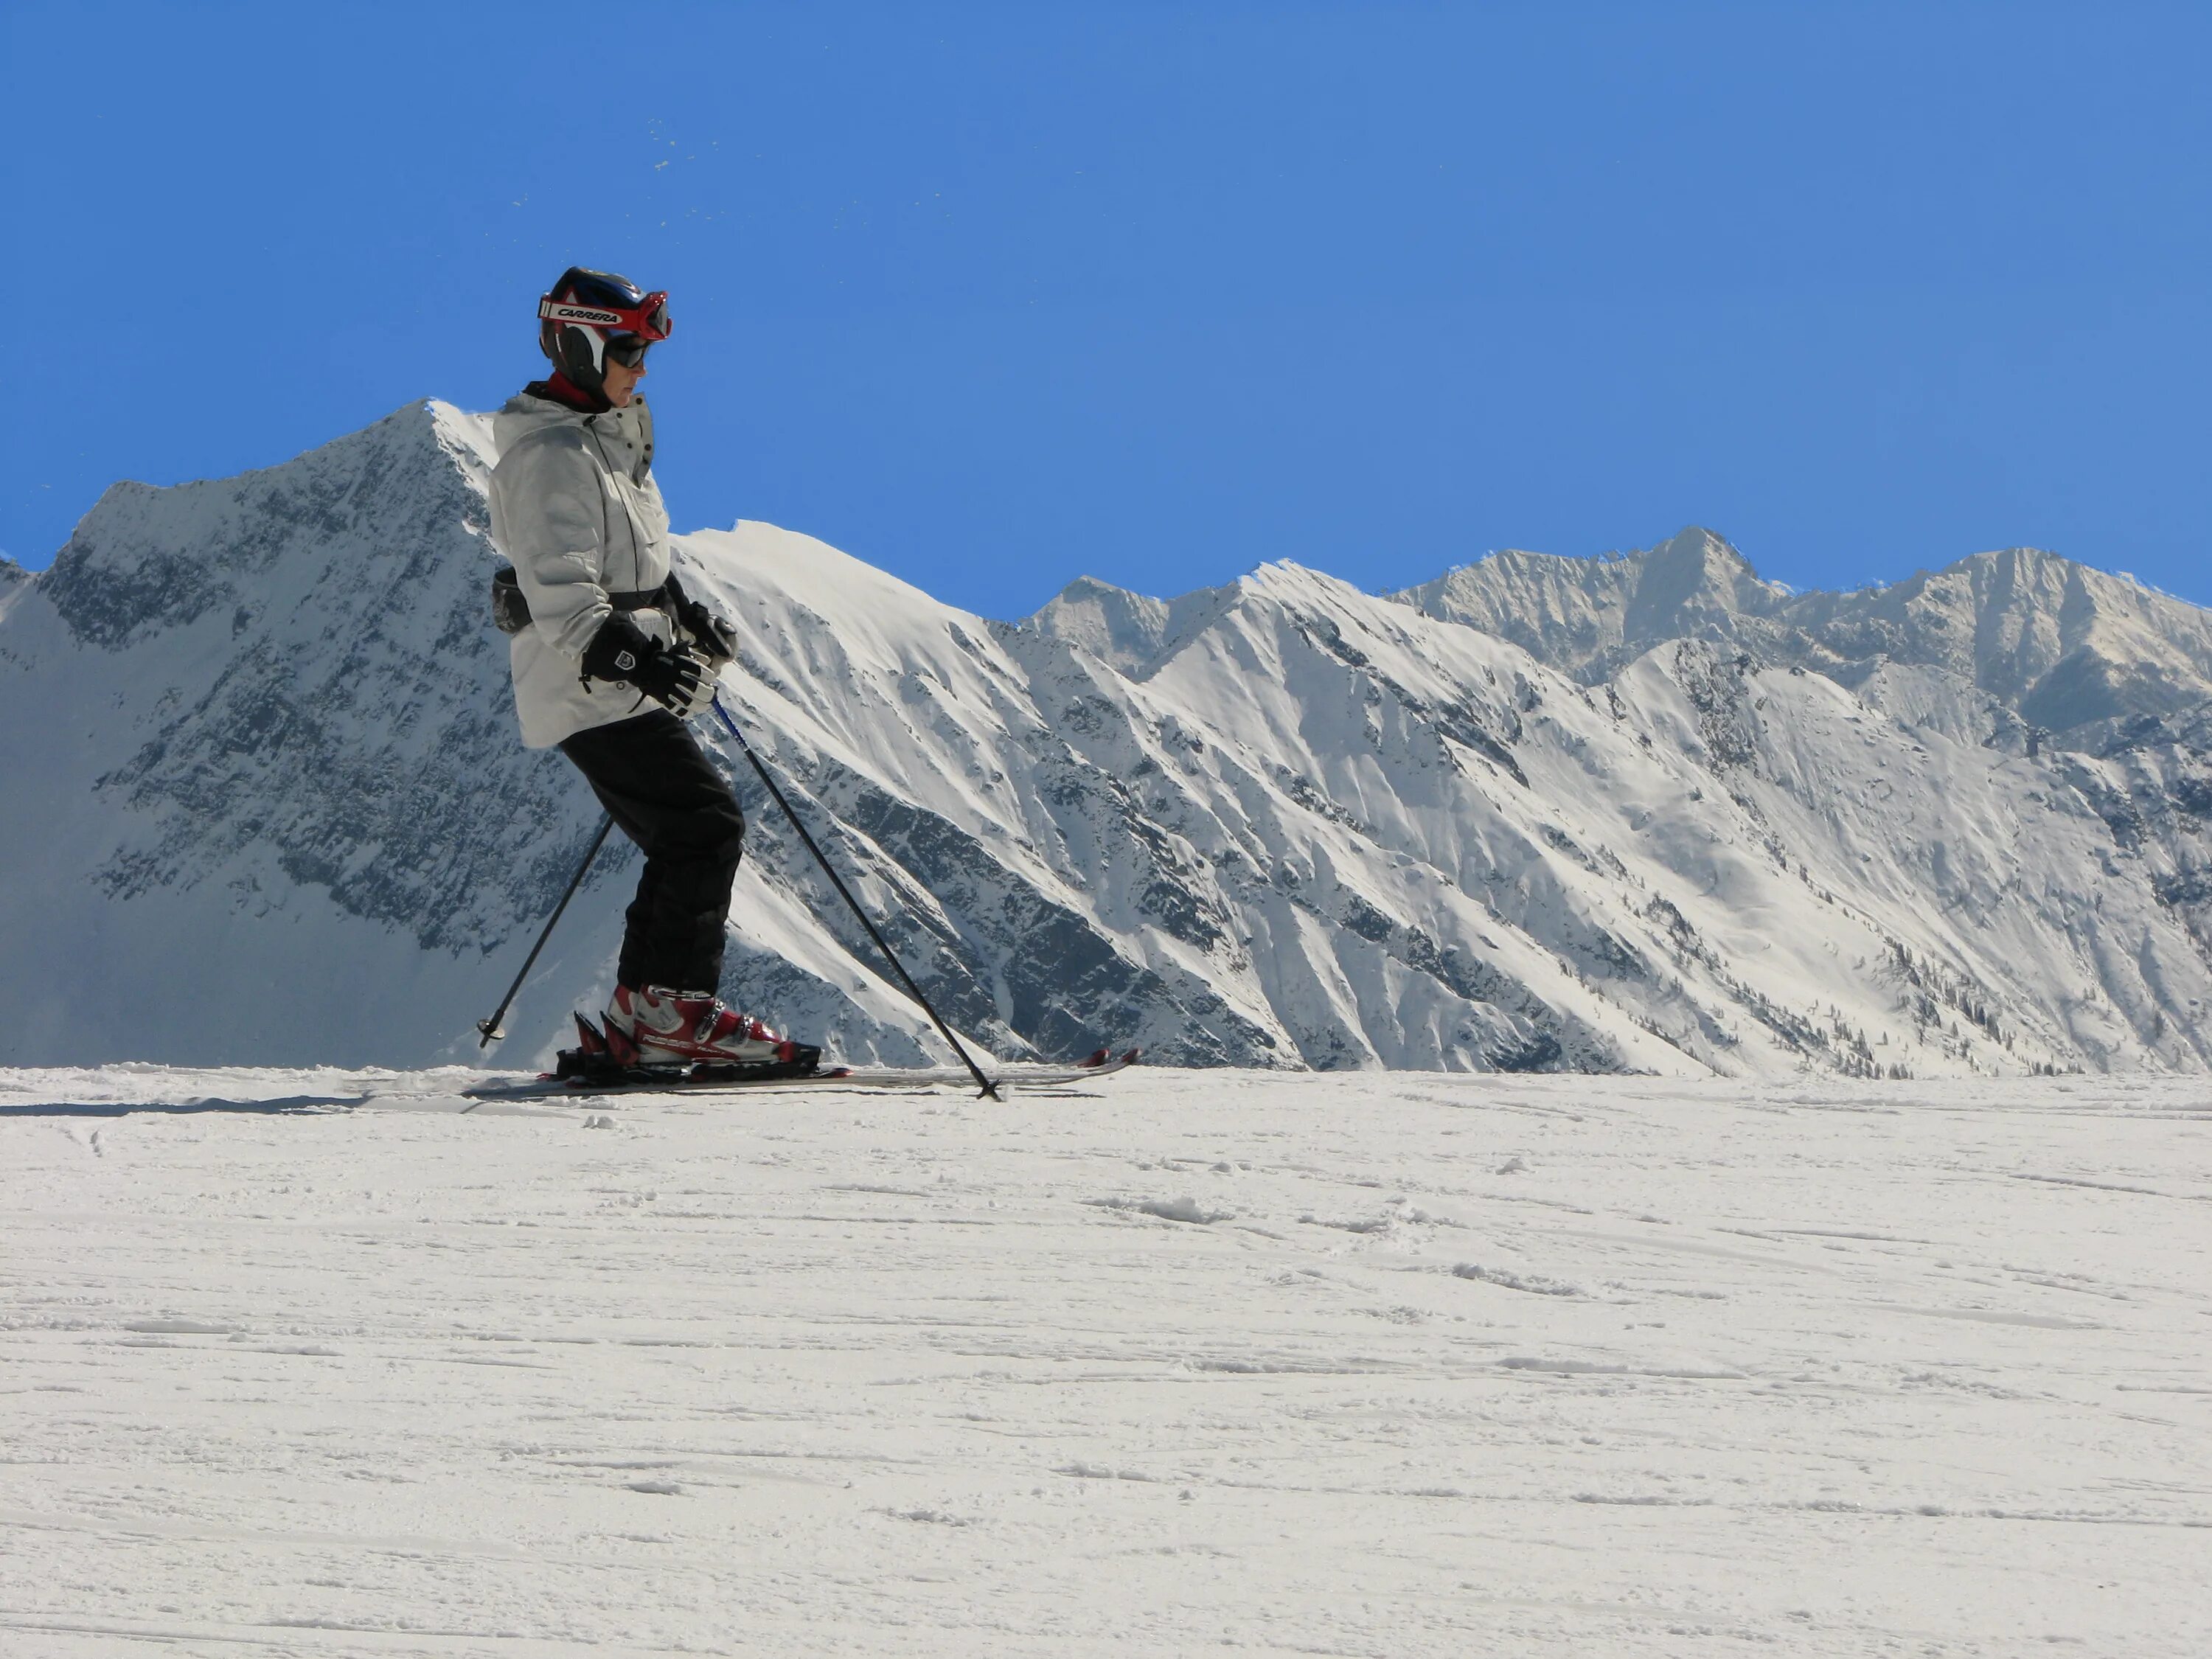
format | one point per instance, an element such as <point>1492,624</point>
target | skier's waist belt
<point>510,612</point>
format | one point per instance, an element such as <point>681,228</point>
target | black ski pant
<point>650,774</point>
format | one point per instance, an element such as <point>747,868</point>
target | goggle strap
<point>557,311</point>
<point>649,319</point>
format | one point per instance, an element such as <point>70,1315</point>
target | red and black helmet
<point>592,315</point>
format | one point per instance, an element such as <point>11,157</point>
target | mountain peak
<point>1590,616</point>
<point>1110,622</point>
<point>1134,632</point>
<point>2060,644</point>
<point>150,557</point>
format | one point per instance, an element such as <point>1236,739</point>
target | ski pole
<point>490,1027</point>
<point>990,1088</point>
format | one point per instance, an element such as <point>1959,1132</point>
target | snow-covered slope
<point>321,1365</point>
<point>268,805</point>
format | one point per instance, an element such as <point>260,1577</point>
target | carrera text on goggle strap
<point>648,318</point>
<point>553,311</point>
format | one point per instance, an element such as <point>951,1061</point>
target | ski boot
<point>658,1027</point>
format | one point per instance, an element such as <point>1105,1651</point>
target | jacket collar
<point>560,389</point>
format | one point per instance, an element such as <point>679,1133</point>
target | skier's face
<point>620,383</point>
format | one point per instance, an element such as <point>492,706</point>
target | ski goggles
<point>648,319</point>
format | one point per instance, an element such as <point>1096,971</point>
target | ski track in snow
<point>1349,1364</point>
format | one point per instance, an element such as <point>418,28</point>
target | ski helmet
<point>590,313</point>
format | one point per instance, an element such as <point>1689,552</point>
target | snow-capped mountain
<point>2020,651</point>
<point>266,802</point>
<point>2056,644</point>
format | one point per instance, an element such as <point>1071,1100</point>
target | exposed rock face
<point>351,723</point>
<point>268,803</point>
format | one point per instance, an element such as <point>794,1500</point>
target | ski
<point>736,1080</point>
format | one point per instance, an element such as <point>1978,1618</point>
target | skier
<point>611,657</point>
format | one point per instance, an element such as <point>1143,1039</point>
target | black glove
<point>625,653</point>
<point>714,636</point>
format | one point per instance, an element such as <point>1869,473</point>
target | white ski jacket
<point>576,510</point>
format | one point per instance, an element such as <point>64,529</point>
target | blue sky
<point>994,295</point>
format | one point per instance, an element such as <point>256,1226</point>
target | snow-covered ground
<point>1372,1364</point>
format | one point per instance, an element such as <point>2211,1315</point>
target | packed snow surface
<point>319,1362</point>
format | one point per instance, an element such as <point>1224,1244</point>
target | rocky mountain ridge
<point>2060,647</point>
